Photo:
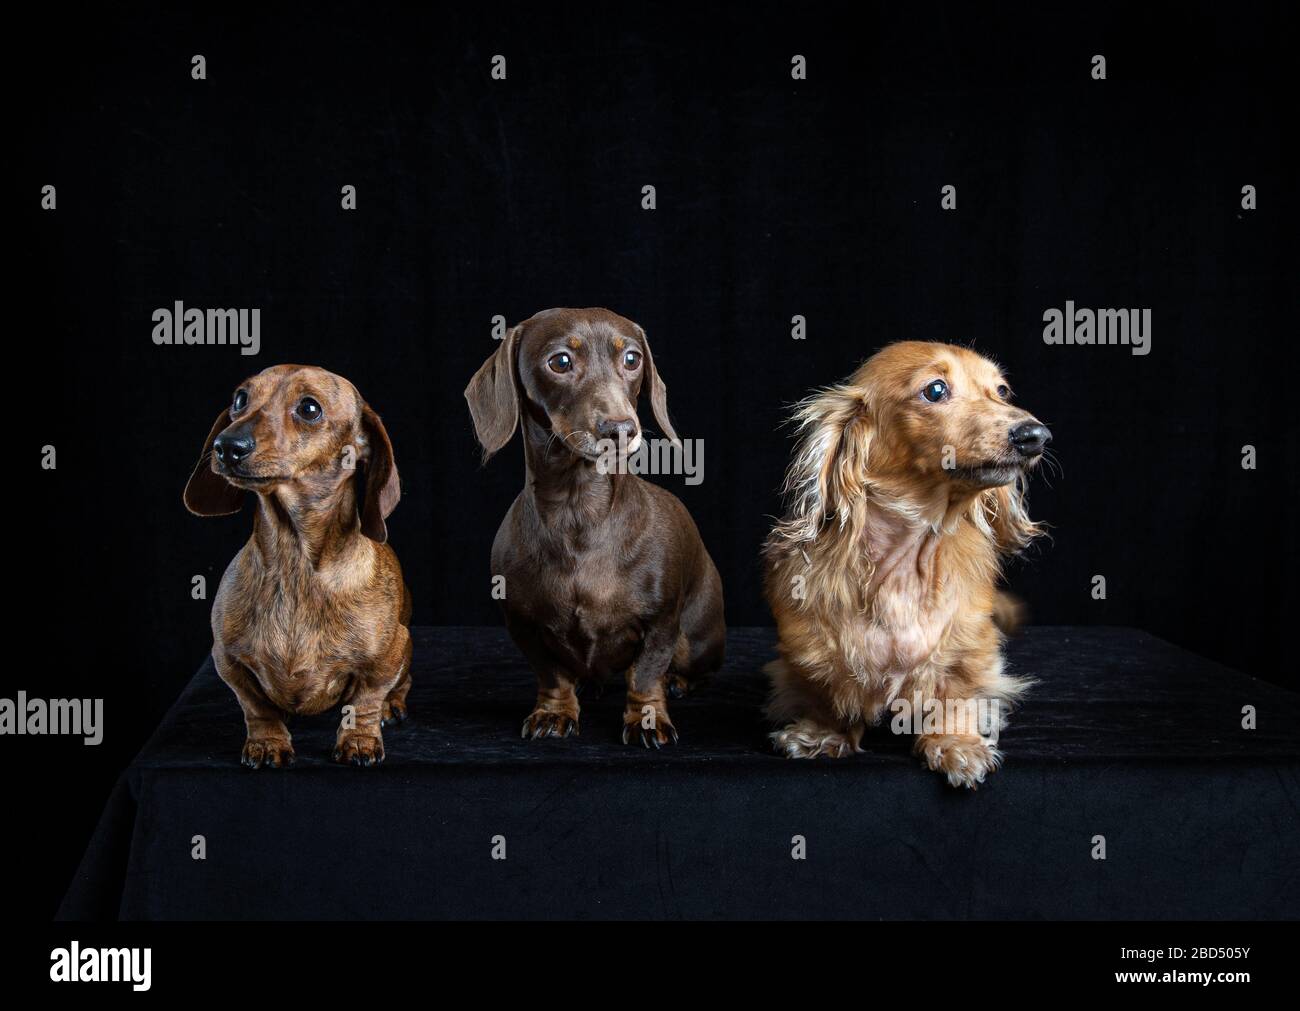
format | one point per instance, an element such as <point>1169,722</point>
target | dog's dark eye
<point>935,391</point>
<point>1004,392</point>
<point>632,360</point>
<point>241,401</point>
<point>562,362</point>
<point>309,410</point>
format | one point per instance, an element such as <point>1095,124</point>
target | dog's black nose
<point>616,428</point>
<point>1030,438</point>
<point>231,448</point>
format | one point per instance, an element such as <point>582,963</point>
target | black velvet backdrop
<point>775,198</point>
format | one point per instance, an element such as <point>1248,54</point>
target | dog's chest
<point>902,635</point>
<point>587,612</point>
<point>302,642</point>
<point>594,618</point>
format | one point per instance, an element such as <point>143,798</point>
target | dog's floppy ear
<point>206,493</point>
<point>828,475</point>
<point>1000,512</point>
<point>382,490</point>
<point>658,391</point>
<point>493,396</point>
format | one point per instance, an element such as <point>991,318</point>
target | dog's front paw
<point>356,747</point>
<point>272,752</point>
<point>964,758</point>
<point>808,739</point>
<point>393,712</point>
<point>648,726</point>
<point>545,723</point>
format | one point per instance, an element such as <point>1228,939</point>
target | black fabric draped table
<point>1126,737</point>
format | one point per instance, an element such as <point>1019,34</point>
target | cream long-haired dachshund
<point>905,491</point>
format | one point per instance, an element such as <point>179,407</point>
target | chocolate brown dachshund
<point>313,609</point>
<point>604,573</point>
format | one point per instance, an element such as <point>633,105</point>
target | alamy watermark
<point>75,964</point>
<point>652,456</point>
<point>178,325</point>
<point>916,715</point>
<point>73,717</point>
<point>1130,327</point>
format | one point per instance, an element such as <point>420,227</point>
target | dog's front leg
<point>360,738</point>
<point>963,745</point>
<point>267,742</point>
<point>645,718</point>
<point>556,711</point>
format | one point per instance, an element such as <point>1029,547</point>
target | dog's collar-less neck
<point>940,512</point>
<point>305,529</point>
<point>911,545</point>
<point>561,483</point>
